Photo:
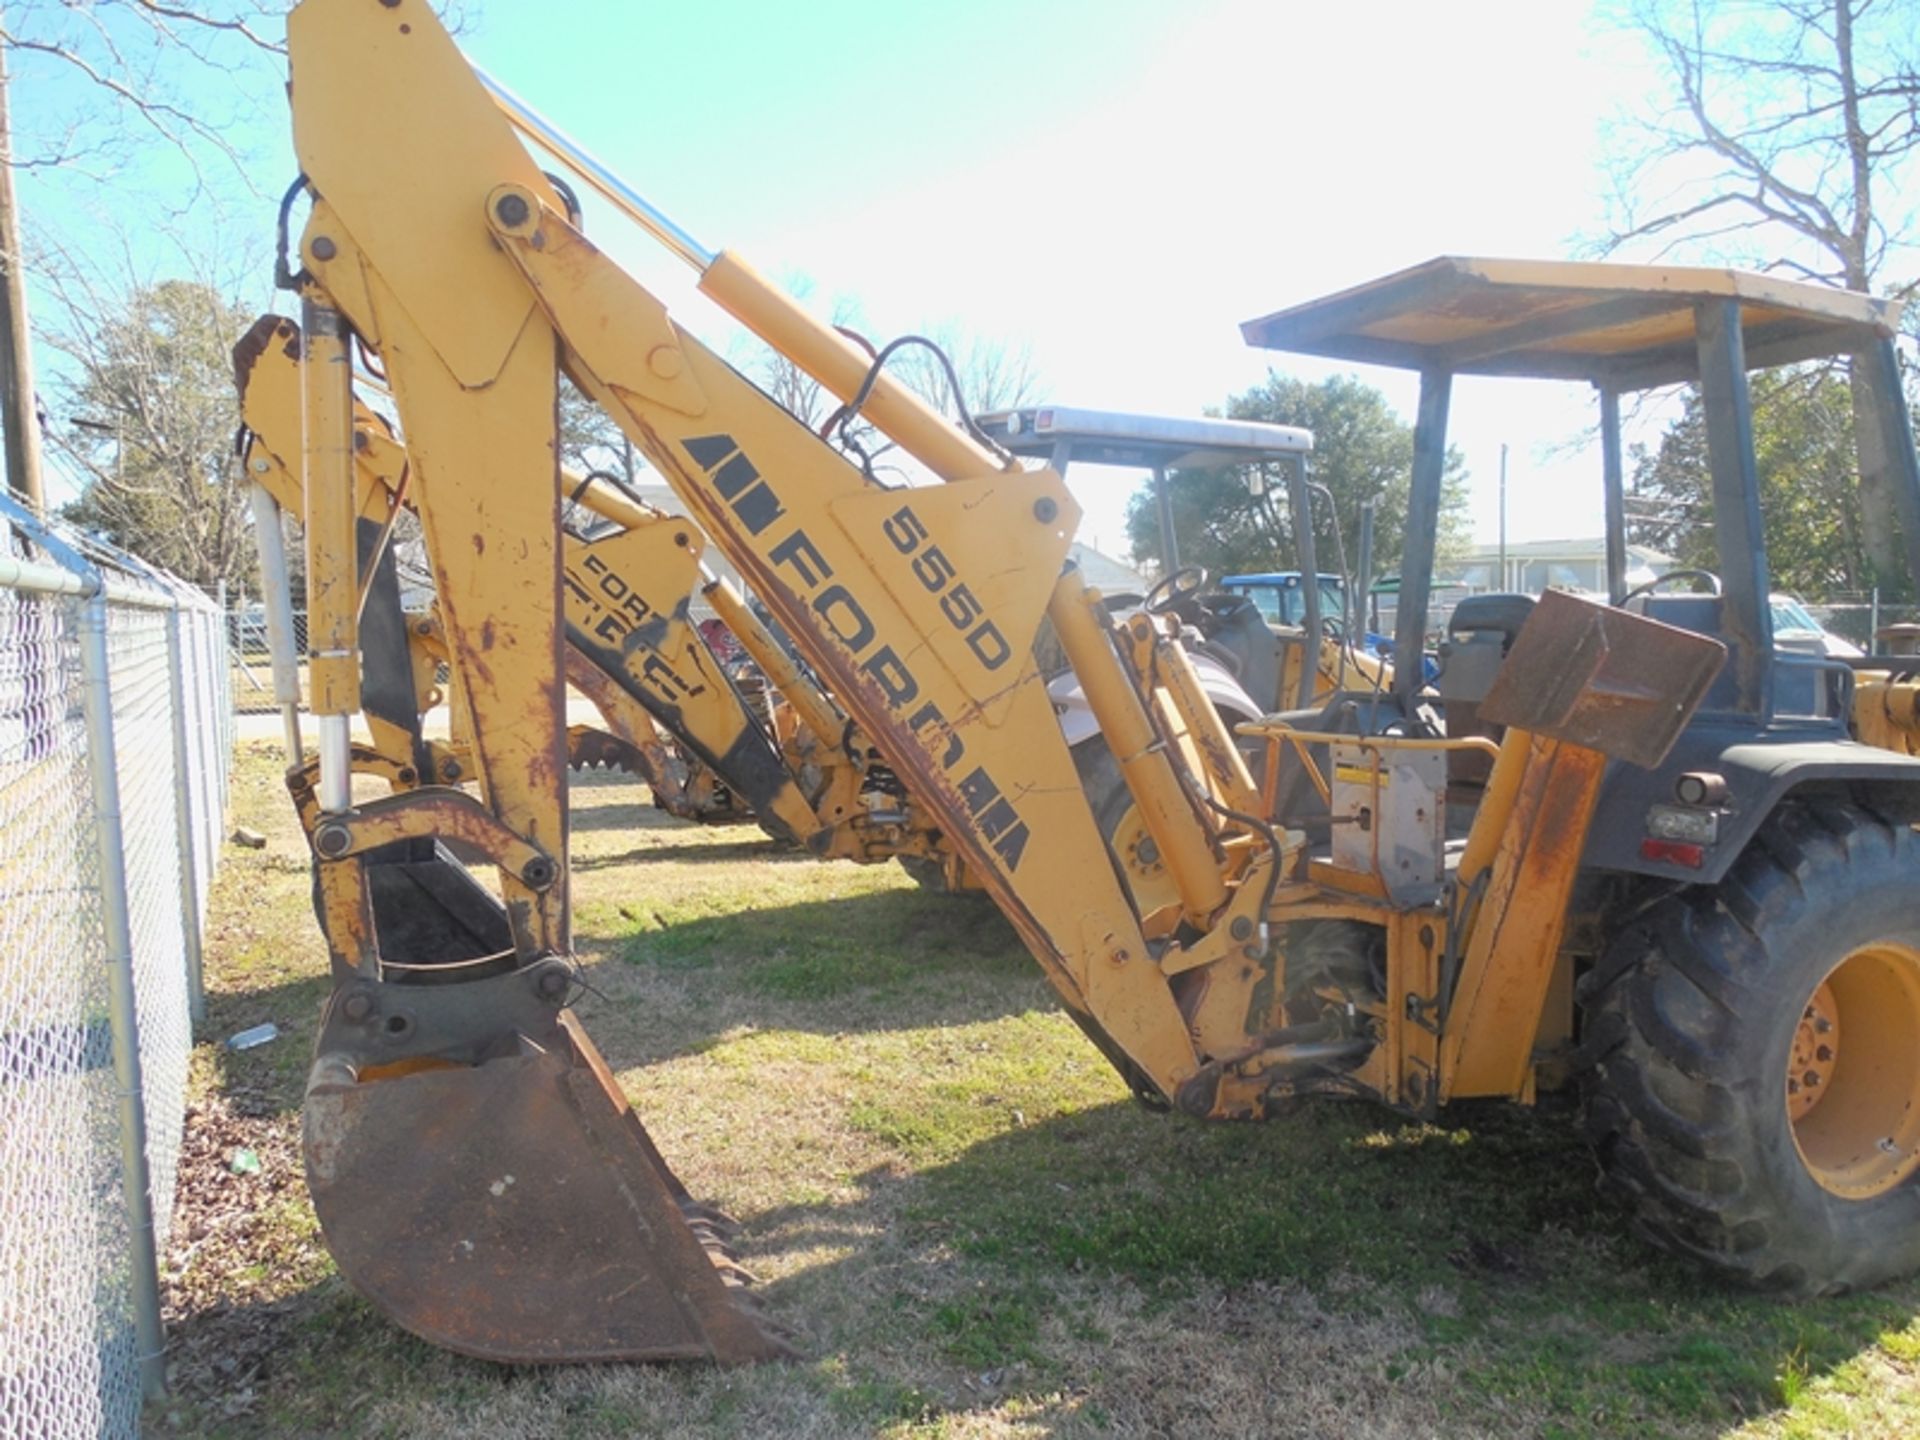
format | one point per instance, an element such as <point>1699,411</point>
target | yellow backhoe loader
<point>1676,826</point>
<point>671,711</point>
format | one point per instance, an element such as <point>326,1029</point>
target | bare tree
<point>1789,144</point>
<point>148,71</point>
<point>590,439</point>
<point>147,412</point>
<point>991,375</point>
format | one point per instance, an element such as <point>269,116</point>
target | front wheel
<point>1756,1092</point>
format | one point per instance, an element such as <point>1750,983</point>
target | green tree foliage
<point>1361,451</point>
<point>152,413</point>
<point>1803,452</point>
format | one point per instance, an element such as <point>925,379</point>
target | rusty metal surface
<point>1514,933</point>
<point>1603,678</point>
<point>591,749</point>
<point>512,1209</point>
<point>458,820</point>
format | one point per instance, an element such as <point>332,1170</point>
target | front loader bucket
<point>513,1209</point>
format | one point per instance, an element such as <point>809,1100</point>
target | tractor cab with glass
<point>1257,625</point>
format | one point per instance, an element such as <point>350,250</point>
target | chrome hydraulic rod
<point>277,599</point>
<point>575,157</point>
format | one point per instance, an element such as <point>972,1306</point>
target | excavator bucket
<point>482,1180</point>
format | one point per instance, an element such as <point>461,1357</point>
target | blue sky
<point>1114,185</point>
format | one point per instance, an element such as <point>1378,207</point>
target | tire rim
<point>1853,1074</point>
<point>1148,879</point>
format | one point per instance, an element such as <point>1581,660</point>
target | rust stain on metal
<point>516,1210</point>
<point>1603,678</point>
<point>901,747</point>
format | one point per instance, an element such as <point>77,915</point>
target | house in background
<point>1536,565</point>
<point>1106,574</point>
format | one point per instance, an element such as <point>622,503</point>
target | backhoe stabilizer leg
<point>482,1180</point>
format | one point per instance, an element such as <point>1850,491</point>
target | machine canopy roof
<point>1156,442</point>
<point>1628,326</point>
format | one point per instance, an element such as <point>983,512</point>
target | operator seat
<point>1806,686</point>
<point>1480,632</point>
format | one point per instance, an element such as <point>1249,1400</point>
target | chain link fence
<point>252,663</point>
<point>115,734</point>
<point>1856,617</point>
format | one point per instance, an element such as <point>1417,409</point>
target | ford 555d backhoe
<point>1675,826</point>
<point>669,706</point>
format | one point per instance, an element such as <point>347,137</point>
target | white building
<point>1536,565</point>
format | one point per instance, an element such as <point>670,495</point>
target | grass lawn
<point>954,1207</point>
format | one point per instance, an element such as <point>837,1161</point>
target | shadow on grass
<point>821,949</point>
<point>1485,1237</point>
<point>1483,1243</point>
<point>889,959</point>
<point>624,810</point>
<point>742,845</point>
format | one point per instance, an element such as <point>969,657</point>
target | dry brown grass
<point>969,1228</point>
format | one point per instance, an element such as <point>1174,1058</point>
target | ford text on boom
<point>755,503</point>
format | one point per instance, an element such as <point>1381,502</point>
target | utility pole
<point>1503,585</point>
<point>22,424</point>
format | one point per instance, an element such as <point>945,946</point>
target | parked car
<point>1794,628</point>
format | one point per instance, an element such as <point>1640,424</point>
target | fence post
<point>183,810</point>
<point>122,1005</point>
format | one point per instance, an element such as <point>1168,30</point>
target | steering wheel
<point>1176,589</point>
<point>1713,583</point>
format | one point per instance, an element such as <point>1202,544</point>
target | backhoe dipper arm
<point>437,241</point>
<point>448,250</point>
<point>625,597</point>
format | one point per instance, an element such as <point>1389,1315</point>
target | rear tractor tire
<point>931,876</point>
<point>1754,1094</point>
<point>1136,857</point>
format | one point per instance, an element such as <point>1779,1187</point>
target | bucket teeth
<point>713,1245</point>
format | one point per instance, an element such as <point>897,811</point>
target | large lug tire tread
<point>1689,1016</point>
<point>1107,795</point>
<point>1333,966</point>
<point>931,876</point>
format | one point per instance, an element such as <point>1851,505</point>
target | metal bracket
<point>440,813</point>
